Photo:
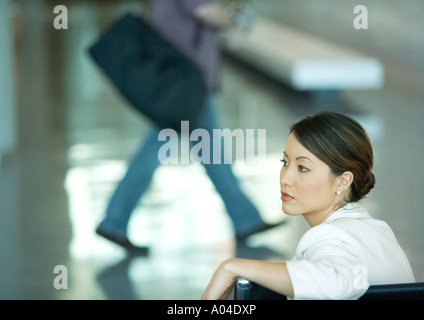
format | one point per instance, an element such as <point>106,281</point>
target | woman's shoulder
<point>326,233</point>
<point>349,225</point>
<point>354,219</point>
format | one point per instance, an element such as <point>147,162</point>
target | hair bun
<point>365,187</point>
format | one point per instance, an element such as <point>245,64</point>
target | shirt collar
<point>351,210</point>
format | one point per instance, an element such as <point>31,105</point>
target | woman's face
<point>308,187</point>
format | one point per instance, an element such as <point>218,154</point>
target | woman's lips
<point>286,197</point>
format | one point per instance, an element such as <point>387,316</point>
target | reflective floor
<point>76,135</point>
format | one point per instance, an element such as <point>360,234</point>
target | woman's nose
<point>285,177</point>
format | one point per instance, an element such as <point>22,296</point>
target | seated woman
<point>327,170</point>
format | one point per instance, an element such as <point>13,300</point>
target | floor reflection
<point>131,279</point>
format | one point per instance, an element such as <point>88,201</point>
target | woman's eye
<point>303,169</point>
<point>284,162</point>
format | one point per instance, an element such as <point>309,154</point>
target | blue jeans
<point>241,210</point>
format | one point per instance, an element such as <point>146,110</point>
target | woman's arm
<point>273,275</point>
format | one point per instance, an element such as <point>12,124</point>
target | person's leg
<point>132,186</point>
<point>243,213</point>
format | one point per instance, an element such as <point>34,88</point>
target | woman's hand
<point>221,285</point>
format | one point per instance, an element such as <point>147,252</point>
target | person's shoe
<point>123,242</point>
<point>264,227</point>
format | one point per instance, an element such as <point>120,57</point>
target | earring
<point>338,192</point>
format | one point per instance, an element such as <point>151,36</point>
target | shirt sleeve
<point>325,266</point>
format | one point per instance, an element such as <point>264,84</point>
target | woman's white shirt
<point>341,257</point>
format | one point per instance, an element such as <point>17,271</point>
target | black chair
<point>247,290</point>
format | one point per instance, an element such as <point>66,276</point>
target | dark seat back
<point>247,290</point>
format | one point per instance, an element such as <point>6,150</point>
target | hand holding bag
<point>150,73</point>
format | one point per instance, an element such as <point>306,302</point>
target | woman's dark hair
<point>341,143</point>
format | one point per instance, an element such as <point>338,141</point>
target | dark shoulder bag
<point>150,73</point>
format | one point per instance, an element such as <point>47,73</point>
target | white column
<point>7,82</point>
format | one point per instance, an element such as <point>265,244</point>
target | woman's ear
<point>345,180</point>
